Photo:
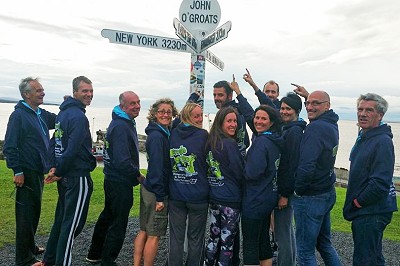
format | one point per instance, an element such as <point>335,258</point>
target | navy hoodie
<point>188,151</point>
<point>27,139</point>
<point>371,174</point>
<point>72,141</point>
<point>158,161</point>
<point>318,148</point>
<point>225,174</point>
<point>262,161</point>
<point>121,154</point>
<point>292,133</point>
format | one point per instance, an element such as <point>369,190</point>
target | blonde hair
<point>185,113</point>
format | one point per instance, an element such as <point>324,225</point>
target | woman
<point>154,189</point>
<point>260,193</point>
<point>225,178</point>
<point>188,185</point>
<point>292,131</point>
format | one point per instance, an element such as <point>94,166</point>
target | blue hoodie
<point>292,134</point>
<point>27,139</point>
<point>188,151</point>
<point>371,174</point>
<point>318,148</point>
<point>72,141</point>
<point>225,174</point>
<point>261,191</point>
<point>121,153</point>
<point>158,161</point>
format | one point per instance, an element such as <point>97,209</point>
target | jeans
<point>367,236</point>
<point>284,235</point>
<point>196,214</point>
<point>313,228</point>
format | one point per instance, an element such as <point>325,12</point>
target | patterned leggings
<point>224,224</point>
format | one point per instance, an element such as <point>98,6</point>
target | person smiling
<point>225,177</point>
<point>154,188</point>
<point>261,192</point>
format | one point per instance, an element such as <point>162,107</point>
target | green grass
<point>7,217</point>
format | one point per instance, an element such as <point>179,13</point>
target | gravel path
<point>343,243</point>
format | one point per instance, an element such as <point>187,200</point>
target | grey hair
<point>77,81</point>
<point>381,104</point>
<point>154,108</point>
<point>122,96</point>
<point>25,85</point>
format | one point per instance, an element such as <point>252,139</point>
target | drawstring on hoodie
<point>38,112</point>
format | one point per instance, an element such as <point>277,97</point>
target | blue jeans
<point>313,228</point>
<point>367,236</point>
<point>284,235</point>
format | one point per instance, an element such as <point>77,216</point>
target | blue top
<point>261,191</point>
<point>158,161</point>
<point>27,138</point>
<point>292,133</point>
<point>225,174</point>
<point>318,148</point>
<point>371,174</point>
<point>188,151</point>
<point>121,153</point>
<point>72,141</point>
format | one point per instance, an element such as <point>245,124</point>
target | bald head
<point>130,103</point>
<point>318,102</point>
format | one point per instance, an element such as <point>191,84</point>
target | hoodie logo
<point>335,150</point>
<point>58,134</point>
<point>214,174</point>
<point>183,165</point>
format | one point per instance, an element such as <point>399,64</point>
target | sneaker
<point>39,250</point>
<point>93,261</point>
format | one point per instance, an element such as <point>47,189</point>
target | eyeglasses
<point>14,192</point>
<point>314,103</point>
<point>163,112</point>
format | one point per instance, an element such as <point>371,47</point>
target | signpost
<point>197,31</point>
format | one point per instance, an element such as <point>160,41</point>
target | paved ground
<point>342,242</point>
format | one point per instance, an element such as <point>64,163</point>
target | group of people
<point>225,178</point>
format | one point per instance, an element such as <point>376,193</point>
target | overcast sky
<point>343,47</point>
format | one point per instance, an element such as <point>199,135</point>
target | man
<point>314,192</point>
<point>25,148</point>
<point>121,174</point>
<point>370,197</point>
<point>270,92</point>
<point>72,163</point>
<point>223,94</point>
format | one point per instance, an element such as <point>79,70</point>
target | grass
<point>7,220</point>
<point>50,195</point>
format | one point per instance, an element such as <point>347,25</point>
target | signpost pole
<point>197,75</point>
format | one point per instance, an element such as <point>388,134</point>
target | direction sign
<point>144,40</point>
<point>214,60</point>
<point>218,35</point>
<point>185,35</point>
<point>200,17</point>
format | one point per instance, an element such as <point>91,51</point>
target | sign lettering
<point>144,40</point>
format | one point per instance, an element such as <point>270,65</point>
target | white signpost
<point>197,31</point>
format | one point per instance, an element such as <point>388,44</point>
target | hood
<point>186,131</point>
<point>299,123</point>
<point>118,113</point>
<point>152,126</point>
<point>22,105</point>
<point>72,102</point>
<point>329,116</point>
<point>382,129</point>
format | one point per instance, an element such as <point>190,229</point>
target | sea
<point>100,117</point>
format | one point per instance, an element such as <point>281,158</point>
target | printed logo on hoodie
<point>58,134</point>
<point>183,166</point>
<point>214,174</point>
